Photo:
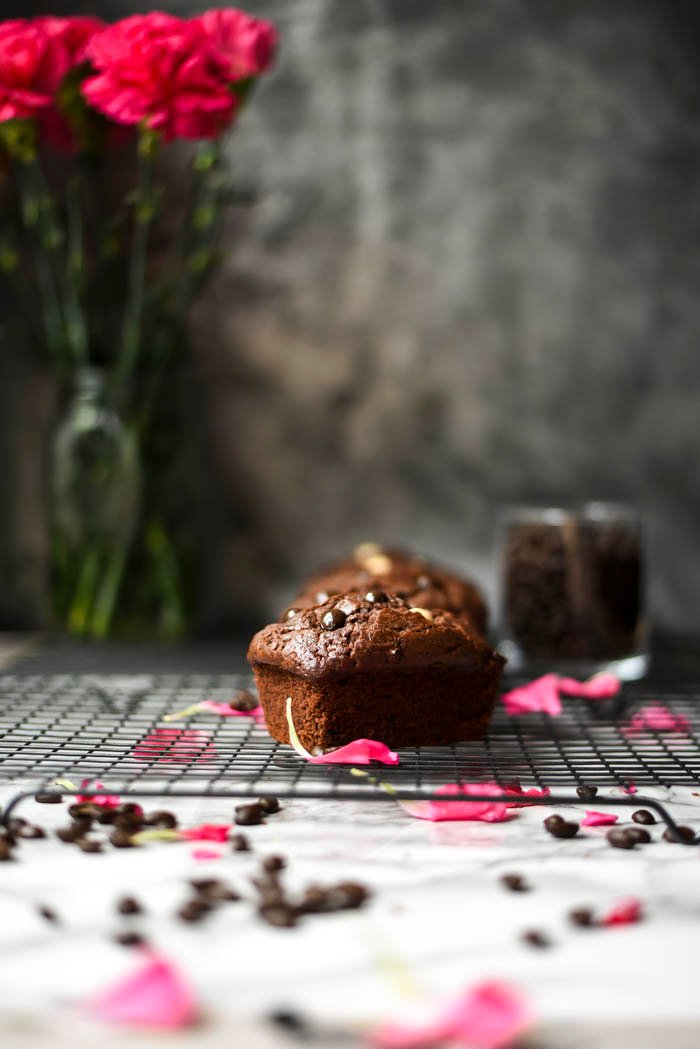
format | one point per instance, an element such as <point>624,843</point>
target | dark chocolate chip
<point>282,917</point>
<point>638,835</point>
<point>620,839</point>
<point>272,864</point>
<point>239,843</point>
<point>376,597</point>
<point>269,805</point>
<point>243,700</point>
<point>535,938</point>
<point>87,845</point>
<point>514,882</point>
<point>248,815</point>
<point>582,916</point>
<point>194,910</point>
<point>48,914</point>
<point>684,833</point>
<point>162,818</point>
<point>46,798</point>
<point>129,939</point>
<point>129,905</point>
<point>644,816</point>
<point>586,792</point>
<point>560,828</point>
<point>333,619</point>
<point>121,839</point>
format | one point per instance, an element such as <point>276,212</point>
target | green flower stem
<point>81,603</point>
<point>144,212</point>
<point>74,275</point>
<point>107,593</point>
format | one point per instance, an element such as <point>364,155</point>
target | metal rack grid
<point>112,729</point>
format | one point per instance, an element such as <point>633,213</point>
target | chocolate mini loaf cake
<point>372,666</point>
<point>372,567</point>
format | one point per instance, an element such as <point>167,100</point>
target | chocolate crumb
<point>239,843</point>
<point>87,845</point>
<point>582,916</point>
<point>514,882</point>
<point>48,914</point>
<point>129,939</point>
<point>535,938</point>
<point>194,910</point>
<point>272,864</point>
<point>129,905</point>
<point>280,916</point>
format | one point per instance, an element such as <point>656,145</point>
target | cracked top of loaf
<point>367,631</point>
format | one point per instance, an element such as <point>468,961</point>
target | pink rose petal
<point>207,832</point>
<point>598,819</point>
<point>436,811</point>
<point>532,792</point>
<point>105,801</point>
<point>359,752</point>
<point>600,686</point>
<point>206,854</point>
<point>225,710</point>
<point>626,912</point>
<point>629,788</point>
<point>175,745</point>
<point>658,718</point>
<point>488,1016</point>
<point>155,996</point>
<point>540,696</point>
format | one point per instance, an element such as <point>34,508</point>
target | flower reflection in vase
<point>87,112</point>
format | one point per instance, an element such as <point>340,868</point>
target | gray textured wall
<point>470,277</point>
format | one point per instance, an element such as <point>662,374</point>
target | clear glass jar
<point>572,590</point>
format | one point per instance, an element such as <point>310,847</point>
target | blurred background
<point>469,277</point>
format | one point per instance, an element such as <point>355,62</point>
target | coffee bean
<point>560,828</point>
<point>620,839</point>
<point>129,905</point>
<point>239,843</point>
<point>46,798</point>
<point>269,805</point>
<point>87,845</point>
<point>535,938</point>
<point>48,914</point>
<point>194,910</point>
<point>586,792</point>
<point>333,619</point>
<point>121,839</point>
<point>685,833</point>
<point>281,917</point>
<point>582,916</point>
<point>5,850</point>
<point>162,819</point>
<point>248,815</point>
<point>129,939</point>
<point>272,864</point>
<point>376,597</point>
<point>514,882</point>
<point>638,835</point>
<point>644,816</point>
<point>243,700</point>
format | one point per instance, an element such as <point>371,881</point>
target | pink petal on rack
<point>105,801</point>
<point>540,696</point>
<point>359,752</point>
<point>206,854</point>
<point>175,745</point>
<point>658,718</point>
<point>227,711</point>
<point>598,819</point>
<point>600,686</point>
<point>520,794</point>
<point>154,996</point>
<point>207,832</point>
<point>488,1016</point>
<point>629,788</point>
<point>626,912</point>
<point>436,811</point>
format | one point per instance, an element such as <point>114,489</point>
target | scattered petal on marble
<point>359,752</point>
<point>207,832</point>
<point>175,745</point>
<point>154,996</point>
<point>488,1016</point>
<point>435,811</point>
<point>598,819</point>
<point>105,801</point>
<point>626,912</point>
<point>600,686</point>
<point>540,696</point>
<point>206,854</point>
<point>658,718</point>
<point>629,788</point>
<point>520,794</point>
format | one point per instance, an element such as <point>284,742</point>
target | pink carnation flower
<point>25,70</point>
<point>248,44</point>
